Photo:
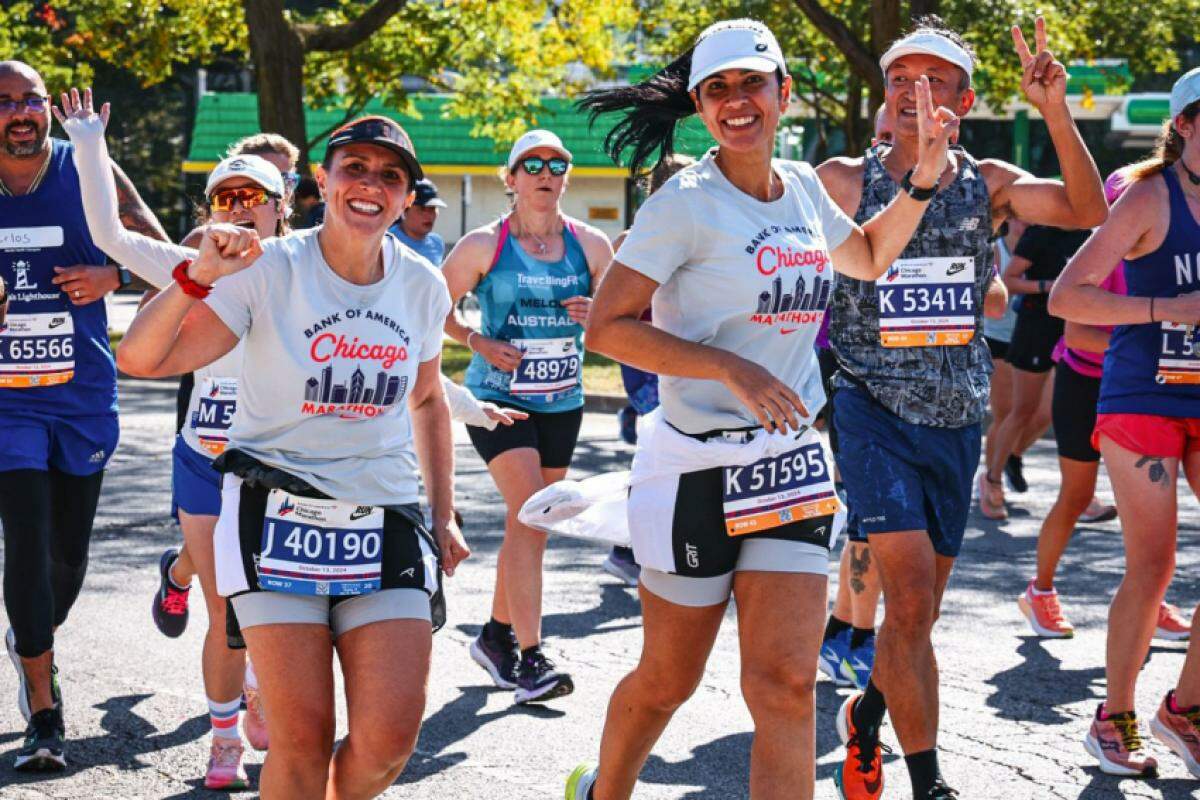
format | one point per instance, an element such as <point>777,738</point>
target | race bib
<point>926,302</point>
<point>214,413</point>
<point>320,547</point>
<point>1179,355</point>
<point>780,490</point>
<point>37,350</point>
<point>548,367</point>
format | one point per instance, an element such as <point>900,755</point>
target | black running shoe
<point>44,749</point>
<point>498,659</point>
<point>170,609</point>
<point>538,680</point>
<point>941,791</point>
<point>1014,470</point>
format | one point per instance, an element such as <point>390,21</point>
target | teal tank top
<point>521,303</point>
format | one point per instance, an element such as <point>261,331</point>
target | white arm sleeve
<point>464,407</point>
<point>150,259</point>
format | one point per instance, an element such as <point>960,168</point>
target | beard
<point>30,148</point>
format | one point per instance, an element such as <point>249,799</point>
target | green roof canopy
<point>441,141</point>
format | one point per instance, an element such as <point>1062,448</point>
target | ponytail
<point>651,110</point>
<point>1167,149</point>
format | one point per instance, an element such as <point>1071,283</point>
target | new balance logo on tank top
<point>1154,368</point>
<point>54,356</point>
<point>328,365</point>
<point>875,329</point>
<point>521,303</point>
<point>738,274</point>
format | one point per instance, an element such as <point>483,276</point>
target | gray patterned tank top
<point>943,386</point>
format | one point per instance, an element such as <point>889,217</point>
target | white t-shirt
<point>327,365</point>
<point>741,275</point>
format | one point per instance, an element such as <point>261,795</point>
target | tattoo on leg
<point>859,564</point>
<point>1155,469</point>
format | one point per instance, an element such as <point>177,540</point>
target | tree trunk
<point>919,8</point>
<point>855,127</point>
<point>278,56</point>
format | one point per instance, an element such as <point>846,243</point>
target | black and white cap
<point>735,44</point>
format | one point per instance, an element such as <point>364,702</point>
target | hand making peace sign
<point>935,128</point>
<point>1044,81</point>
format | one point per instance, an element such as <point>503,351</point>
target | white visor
<point>929,44</point>
<point>255,168</point>
<point>736,44</point>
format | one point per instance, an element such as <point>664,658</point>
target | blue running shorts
<point>904,477</point>
<point>74,445</point>
<point>195,485</point>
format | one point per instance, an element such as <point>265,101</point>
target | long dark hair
<point>651,110</point>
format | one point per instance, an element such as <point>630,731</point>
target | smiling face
<point>24,131</point>
<point>264,219</point>
<point>741,108</point>
<point>542,191</point>
<point>366,188</point>
<point>946,82</point>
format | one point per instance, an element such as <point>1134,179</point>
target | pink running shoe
<point>1180,732</point>
<point>1044,614</point>
<point>1116,743</point>
<point>225,769</point>
<point>254,721</point>
<point>1171,626</point>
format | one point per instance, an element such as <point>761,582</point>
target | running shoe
<point>628,419</point>
<point>1180,732</point>
<point>987,505</point>
<point>621,565</point>
<point>860,777</point>
<point>833,652</point>
<point>1044,614</point>
<point>1171,625</point>
<point>1116,743</point>
<point>225,770</point>
<point>254,721</point>
<point>1098,512</point>
<point>44,748</point>
<point>10,644</point>
<point>580,782</point>
<point>857,665</point>
<point>539,680</point>
<point>941,791</point>
<point>1014,470</point>
<point>170,609</point>
<point>498,659</point>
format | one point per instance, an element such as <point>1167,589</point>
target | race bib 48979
<point>927,302</point>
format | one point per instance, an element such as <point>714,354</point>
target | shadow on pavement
<point>1022,692</point>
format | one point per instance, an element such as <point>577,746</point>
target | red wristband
<point>189,286</point>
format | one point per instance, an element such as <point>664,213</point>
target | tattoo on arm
<point>134,213</point>
<point>860,563</point>
<point>1155,469</point>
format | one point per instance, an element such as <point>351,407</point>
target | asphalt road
<point>1014,710</point>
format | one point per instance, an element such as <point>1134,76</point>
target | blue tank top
<point>54,356</point>
<point>521,303</point>
<point>1154,368</point>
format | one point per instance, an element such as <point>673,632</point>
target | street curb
<point>610,403</point>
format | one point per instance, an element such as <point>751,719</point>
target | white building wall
<point>584,199</point>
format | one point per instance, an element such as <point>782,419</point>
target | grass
<point>600,375</point>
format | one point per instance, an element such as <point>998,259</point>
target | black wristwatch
<point>125,277</point>
<point>914,192</point>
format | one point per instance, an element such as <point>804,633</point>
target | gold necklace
<point>542,246</point>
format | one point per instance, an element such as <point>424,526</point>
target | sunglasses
<point>35,104</point>
<point>248,196</point>
<point>534,165</point>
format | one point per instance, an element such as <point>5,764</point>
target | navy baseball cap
<point>381,131</point>
<point>427,194</point>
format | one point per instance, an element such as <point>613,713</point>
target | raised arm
<point>118,220</point>
<point>1076,202</point>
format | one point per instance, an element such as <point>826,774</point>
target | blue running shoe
<point>857,665</point>
<point>833,652</point>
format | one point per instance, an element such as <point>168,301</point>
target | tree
<point>506,54</point>
<point>838,42</point>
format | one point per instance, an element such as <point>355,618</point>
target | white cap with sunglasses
<point>253,168</point>
<point>735,44</point>
<point>533,140</point>
<point>1185,91</point>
